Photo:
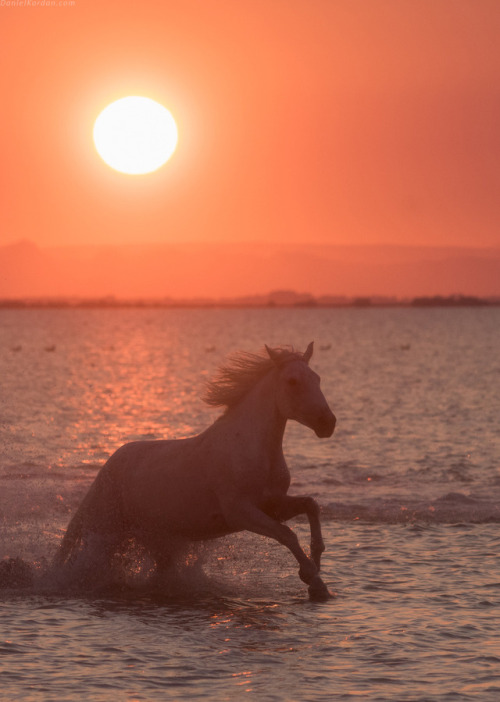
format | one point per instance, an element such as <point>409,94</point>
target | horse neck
<point>259,416</point>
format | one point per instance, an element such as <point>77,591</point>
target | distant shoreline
<point>282,299</point>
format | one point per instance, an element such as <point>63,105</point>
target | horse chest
<point>241,461</point>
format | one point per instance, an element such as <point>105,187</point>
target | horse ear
<point>309,352</point>
<point>272,354</point>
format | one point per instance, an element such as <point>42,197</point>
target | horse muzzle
<point>325,426</point>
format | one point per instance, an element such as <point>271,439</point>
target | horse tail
<point>72,538</point>
<point>97,514</point>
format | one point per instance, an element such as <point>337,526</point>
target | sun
<point>135,135</point>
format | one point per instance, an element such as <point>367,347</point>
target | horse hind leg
<point>179,569</point>
<point>165,564</point>
<point>165,553</point>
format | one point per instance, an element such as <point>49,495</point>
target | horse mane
<point>242,371</point>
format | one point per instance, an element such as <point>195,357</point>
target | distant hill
<point>245,269</point>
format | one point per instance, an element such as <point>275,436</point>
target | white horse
<point>230,478</point>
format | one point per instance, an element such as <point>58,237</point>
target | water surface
<point>409,486</point>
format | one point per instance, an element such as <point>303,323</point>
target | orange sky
<point>333,121</point>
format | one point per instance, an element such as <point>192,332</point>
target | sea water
<point>409,487</point>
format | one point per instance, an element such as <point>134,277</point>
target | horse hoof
<point>318,591</point>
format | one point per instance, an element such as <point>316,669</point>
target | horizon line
<point>284,299</point>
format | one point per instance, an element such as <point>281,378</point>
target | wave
<point>451,508</point>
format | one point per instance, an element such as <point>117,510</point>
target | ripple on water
<point>416,448</point>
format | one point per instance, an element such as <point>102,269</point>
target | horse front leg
<point>287,507</point>
<point>245,516</point>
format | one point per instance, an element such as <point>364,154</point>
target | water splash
<point>238,566</point>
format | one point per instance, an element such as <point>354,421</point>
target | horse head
<point>299,395</point>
